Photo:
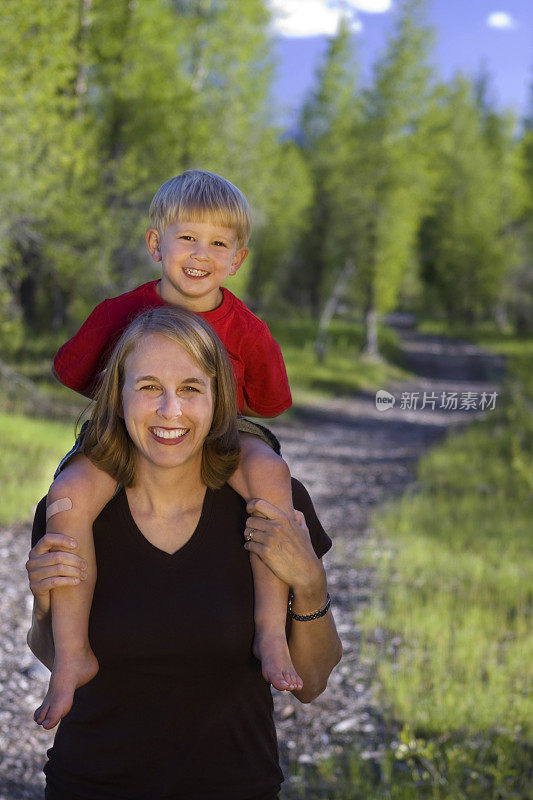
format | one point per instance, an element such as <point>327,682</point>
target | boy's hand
<point>52,563</point>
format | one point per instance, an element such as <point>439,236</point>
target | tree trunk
<point>58,307</point>
<point>83,65</point>
<point>331,307</point>
<point>27,300</point>
<point>500,316</point>
<point>371,349</point>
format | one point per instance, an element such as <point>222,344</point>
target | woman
<point>178,708</point>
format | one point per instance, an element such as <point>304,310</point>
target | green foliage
<point>328,122</point>
<point>457,767</point>
<point>469,242</point>
<point>49,185</point>
<point>281,196</point>
<point>454,766</point>
<point>392,160</point>
<point>107,100</point>
<point>519,292</point>
<point>102,101</point>
<point>369,157</point>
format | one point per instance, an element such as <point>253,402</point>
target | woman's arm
<point>49,567</point>
<point>314,645</point>
<point>285,547</point>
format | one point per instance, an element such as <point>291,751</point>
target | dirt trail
<point>352,458</point>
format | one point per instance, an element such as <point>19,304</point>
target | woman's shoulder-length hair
<point>107,442</point>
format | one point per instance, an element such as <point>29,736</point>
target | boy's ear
<point>153,243</point>
<point>238,258</point>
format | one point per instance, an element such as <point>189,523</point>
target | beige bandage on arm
<point>64,504</point>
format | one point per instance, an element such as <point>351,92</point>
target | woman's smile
<point>168,435</point>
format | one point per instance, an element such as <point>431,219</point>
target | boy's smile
<point>196,258</point>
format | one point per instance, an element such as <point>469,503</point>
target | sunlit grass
<point>455,563</point>
<point>30,450</point>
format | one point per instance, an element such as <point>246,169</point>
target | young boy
<point>200,228</point>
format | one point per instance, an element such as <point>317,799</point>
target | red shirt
<point>255,356</point>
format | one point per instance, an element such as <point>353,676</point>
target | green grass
<point>460,576</point>
<point>454,767</point>
<point>451,632</point>
<point>30,450</point>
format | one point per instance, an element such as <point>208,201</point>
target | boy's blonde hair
<point>201,196</point>
<point>107,442</point>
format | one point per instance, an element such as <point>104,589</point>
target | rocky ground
<point>352,458</point>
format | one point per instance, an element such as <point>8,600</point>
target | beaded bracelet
<point>308,617</point>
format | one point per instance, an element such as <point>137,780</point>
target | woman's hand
<point>284,545</point>
<point>51,563</point>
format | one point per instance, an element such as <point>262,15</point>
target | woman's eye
<point>148,387</point>
<point>190,389</point>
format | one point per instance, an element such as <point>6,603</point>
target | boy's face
<point>196,258</point>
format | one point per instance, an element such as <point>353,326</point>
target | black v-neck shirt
<point>179,709</point>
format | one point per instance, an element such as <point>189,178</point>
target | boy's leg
<point>75,499</point>
<point>263,474</point>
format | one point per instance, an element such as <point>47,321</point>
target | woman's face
<point>167,403</point>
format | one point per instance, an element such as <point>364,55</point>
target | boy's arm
<point>248,412</point>
<point>266,386</point>
<point>78,362</point>
<point>86,393</point>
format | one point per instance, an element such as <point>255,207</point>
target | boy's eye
<point>220,244</point>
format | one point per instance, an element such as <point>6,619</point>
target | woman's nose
<point>170,407</point>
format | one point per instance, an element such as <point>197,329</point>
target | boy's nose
<point>200,252</point>
<point>170,407</point>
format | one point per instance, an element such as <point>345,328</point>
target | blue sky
<point>469,33</point>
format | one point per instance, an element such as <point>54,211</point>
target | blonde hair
<point>107,443</point>
<point>200,196</point>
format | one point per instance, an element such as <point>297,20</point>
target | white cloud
<point>309,18</point>
<point>500,19</point>
<point>321,17</point>
<point>371,6</point>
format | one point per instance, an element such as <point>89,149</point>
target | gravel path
<point>352,458</point>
